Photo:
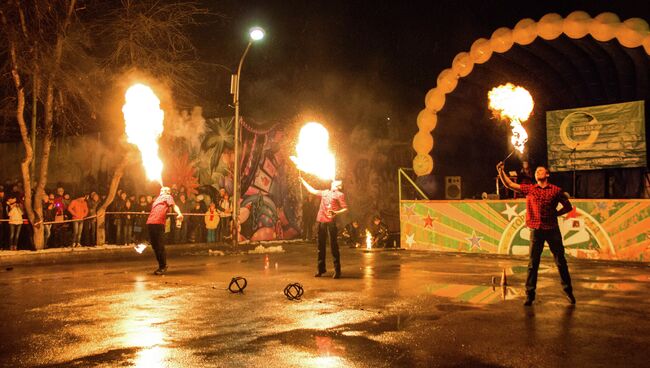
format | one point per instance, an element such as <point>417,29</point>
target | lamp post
<point>256,34</point>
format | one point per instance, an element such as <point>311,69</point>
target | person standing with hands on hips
<point>541,217</point>
<point>332,203</point>
<point>156,226</point>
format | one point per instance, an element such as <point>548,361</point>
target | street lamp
<point>256,34</point>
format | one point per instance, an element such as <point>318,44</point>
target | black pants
<point>157,237</point>
<point>554,239</point>
<point>325,229</point>
<point>223,230</point>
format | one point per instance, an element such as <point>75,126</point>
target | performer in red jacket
<point>156,226</point>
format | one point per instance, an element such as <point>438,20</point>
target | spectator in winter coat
<point>49,212</point>
<point>212,222</point>
<point>120,220</point>
<point>4,227</point>
<point>15,222</point>
<point>91,223</point>
<point>197,227</point>
<point>185,207</point>
<point>128,222</point>
<point>225,212</point>
<point>78,211</point>
<point>139,228</point>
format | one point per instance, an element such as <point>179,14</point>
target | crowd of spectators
<point>70,219</point>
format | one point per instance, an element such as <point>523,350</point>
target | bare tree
<point>35,34</point>
<point>152,36</point>
<point>64,54</point>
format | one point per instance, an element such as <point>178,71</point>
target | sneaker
<point>528,302</point>
<point>160,271</point>
<point>337,275</point>
<point>319,274</point>
<point>571,298</point>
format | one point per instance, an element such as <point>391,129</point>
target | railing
<point>401,172</point>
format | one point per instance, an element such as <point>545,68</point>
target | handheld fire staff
<point>514,104</point>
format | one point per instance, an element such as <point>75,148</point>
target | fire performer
<point>156,226</point>
<point>332,203</point>
<point>541,217</point>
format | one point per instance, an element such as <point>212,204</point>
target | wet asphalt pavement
<point>390,309</point>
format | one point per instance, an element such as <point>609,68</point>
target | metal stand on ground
<point>294,291</point>
<point>237,285</point>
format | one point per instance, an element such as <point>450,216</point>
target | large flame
<point>514,104</point>
<point>144,125</point>
<point>368,239</point>
<point>313,153</point>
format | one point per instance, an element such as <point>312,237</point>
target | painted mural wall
<point>198,155</point>
<point>595,229</point>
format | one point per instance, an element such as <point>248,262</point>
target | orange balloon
<point>481,51</point>
<point>427,120</point>
<point>462,64</point>
<point>576,24</point>
<point>422,165</point>
<point>447,80</point>
<point>423,142</point>
<point>525,32</point>
<point>632,32</point>
<point>550,26</point>
<point>501,40</point>
<point>603,28</point>
<point>435,99</point>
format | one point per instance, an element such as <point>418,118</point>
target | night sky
<point>361,62</point>
<point>370,64</point>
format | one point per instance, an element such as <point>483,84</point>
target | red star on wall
<point>428,221</point>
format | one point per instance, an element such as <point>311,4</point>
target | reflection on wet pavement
<point>474,294</point>
<point>141,327</point>
<point>407,309</point>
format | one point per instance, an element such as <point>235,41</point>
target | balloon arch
<point>631,33</point>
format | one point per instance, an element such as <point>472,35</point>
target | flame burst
<point>313,153</point>
<point>368,239</point>
<point>515,104</point>
<point>144,126</point>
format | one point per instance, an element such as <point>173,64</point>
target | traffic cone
<point>504,281</point>
<point>266,262</point>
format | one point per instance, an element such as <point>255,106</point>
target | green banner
<point>597,137</point>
